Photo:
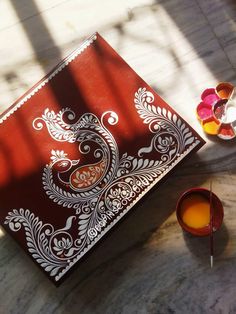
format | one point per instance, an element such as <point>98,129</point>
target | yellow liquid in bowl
<point>195,211</point>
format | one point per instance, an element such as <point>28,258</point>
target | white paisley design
<point>102,190</point>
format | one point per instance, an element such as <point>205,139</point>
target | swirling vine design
<point>102,191</point>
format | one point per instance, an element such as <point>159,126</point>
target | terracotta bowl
<point>217,207</point>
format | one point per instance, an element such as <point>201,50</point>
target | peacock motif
<point>100,185</point>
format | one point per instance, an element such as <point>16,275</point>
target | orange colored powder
<point>195,211</point>
<point>225,92</point>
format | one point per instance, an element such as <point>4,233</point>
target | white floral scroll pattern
<point>51,248</point>
<point>166,125</point>
<point>120,181</point>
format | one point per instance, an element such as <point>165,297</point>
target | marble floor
<point>147,264</point>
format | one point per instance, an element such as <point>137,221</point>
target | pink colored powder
<point>204,111</point>
<point>209,96</point>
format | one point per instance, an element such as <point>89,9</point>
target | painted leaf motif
<point>125,178</point>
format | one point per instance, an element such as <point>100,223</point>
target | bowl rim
<point>205,231</point>
<point>229,85</point>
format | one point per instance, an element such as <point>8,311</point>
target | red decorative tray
<point>79,150</point>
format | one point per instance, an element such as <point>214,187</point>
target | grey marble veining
<point>147,264</point>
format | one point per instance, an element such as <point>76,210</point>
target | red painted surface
<point>96,81</point>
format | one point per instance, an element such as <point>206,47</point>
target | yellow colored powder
<point>195,211</point>
<point>211,127</point>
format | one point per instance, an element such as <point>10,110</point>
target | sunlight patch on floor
<point>2,233</point>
